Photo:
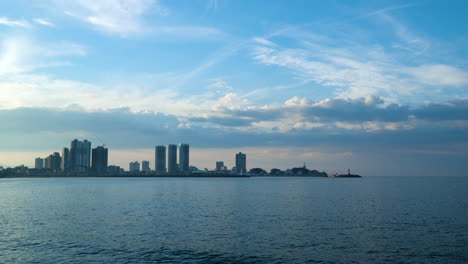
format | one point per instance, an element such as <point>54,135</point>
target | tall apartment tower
<point>184,161</point>
<point>219,165</point>
<point>39,163</point>
<point>241,162</point>
<point>53,161</point>
<point>80,155</point>
<point>171,158</point>
<point>65,159</point>
<point>145,167</point>
<point>160,159</point>
<point>134,166</point>
<point>99,161</point>
<point>86,154</point>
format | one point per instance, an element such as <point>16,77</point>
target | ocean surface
<point>234,220</point>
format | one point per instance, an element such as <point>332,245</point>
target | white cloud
<point>14,23</point>
<point>221,86</point>
<point>229,101</point>
<point>358,78</point>
<point>264,41</point>
<point>44,22</point>
<point>21,56</point>
<point>122,17</point>
<point>296,101</point>
<point>36,90</point>
<point>438,75</point>
<point>359,70</point>
<point>127,17</point>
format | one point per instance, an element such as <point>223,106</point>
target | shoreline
<point>176,176</point>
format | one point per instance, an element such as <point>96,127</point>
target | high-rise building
<point>219,165</point>
<point>160,159</point>
<point>134,166</point>
<point>145,166</point>
<point>53,161</point>
<point>47,162</point>
<point>184,157</point>
<point>65,159</point>
<point>80,155</point>
<point>39,163</point>
<point>241,162</point>
<point>99,160</point>
<point>172,159</point>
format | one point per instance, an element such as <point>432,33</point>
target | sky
<point>380,87</point>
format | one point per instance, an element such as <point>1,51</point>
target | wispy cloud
<point>14,23</point>
<point>213,59</point>
<point>438,75</point>
<point>44,22</point>
<point>264,42</point>
<point>128,17</point>
<point>410,42</point>
<point>21,56</point>
<point>30,88</point>
<point>385,10</point>
<point>358,70</point>
<point>122,17</point>
<point>24,23</point>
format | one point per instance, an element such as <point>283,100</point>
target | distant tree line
<point>298,171</point>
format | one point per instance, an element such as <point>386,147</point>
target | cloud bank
<point>354,123</point>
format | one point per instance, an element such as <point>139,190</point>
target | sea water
<point>234,220</point>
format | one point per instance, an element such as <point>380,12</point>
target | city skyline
<point>81,157</point>
<point>380,87</point>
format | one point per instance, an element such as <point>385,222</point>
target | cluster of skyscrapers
<point>161,159</point>
<point>77,159</point>
<point>169,160</point>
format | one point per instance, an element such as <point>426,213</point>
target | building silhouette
<point>53,161</point>
<point>241,163</point>
<point>39,163</point>
<point>114,170</point>
<point>66,159</point>
<point>219,165</point>
<point>172,159</point>
<point>99,160</point>
<point>160,159</point>
<point>80,155</point>
<point>184,161</point>
<point>145,166</point>
<point>47,162</point>
<point>134,166</point>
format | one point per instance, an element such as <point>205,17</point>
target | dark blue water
<point>228,220</point>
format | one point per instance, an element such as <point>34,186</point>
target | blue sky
<point>377,86</point>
